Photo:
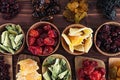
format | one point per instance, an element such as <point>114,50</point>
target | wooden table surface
<point>93,20</point>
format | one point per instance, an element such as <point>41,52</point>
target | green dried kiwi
<point>113,72</point>
<point>69,15</point>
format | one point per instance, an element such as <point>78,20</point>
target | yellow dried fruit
<point>78,8</point>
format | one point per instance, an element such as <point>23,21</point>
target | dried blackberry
<point>9,8</point>
<point>107,7</point>
<point>44,8</point>
<point>108,38</point>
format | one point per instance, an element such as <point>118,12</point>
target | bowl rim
<point>22,46</point>
<point>60,56</point>
<point>63,41</point>
<point>44,22</point>
<point>103,52</point>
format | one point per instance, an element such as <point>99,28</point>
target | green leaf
<point>18,27</point>
<point>7,40</point>
<point>62,75</point>
<point>3,36</point>
<point>19,38</point>
<point>46,76</point>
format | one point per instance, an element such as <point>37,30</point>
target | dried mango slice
<point>79,48</point>
<point>87,32</point>
<point>76,40</point>
<point>88,43</point>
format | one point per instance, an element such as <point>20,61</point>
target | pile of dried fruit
<point>76,10</point>
<point>108,38</point>
<point>91,71</point>
<point>4,69</point>
<point>114,71</point>
<point>107,7</point>
<point>79,39</point>
<point>44,8</point>
<point>11,39</point>
<point>42,40</point>
<point>9,8</point>
<point>28,70</point>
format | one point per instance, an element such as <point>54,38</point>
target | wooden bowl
<point>60,57</point>
<point>2,28</point>
<point>65,45</point>
<point>38,24</point>
<point>79,61</point>
<point>101,51</point>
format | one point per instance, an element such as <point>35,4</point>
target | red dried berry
<point>52,33</point>
<point>47,27</point>
<point>34,33</point>
<point>49,41</point>
<point>40,42</point>
<point>95,75</point>
<point>48,50</point>
<point>88,70</point>
<point>31,40</point>
<point>35,50</point>
<point>101,70</point>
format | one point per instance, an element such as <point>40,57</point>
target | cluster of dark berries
<point>4,69</point>
<point>9,8</point>
<point>108,7</point>
<point>108,38</point>
<point>44,8</point>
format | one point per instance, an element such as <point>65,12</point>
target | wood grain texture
<point>93,20</point>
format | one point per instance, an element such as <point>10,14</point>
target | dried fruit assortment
<point>76,10</point>
<point>28,70</point>
<point>56,69</point>
<point>4,69</point>
<point>42,40</point>
<point>114,69</point>
<point>44,8</point>
<point>108,38</point>
<point>78,39</point>
<point>11,39</point>
<point>9,8</point>
<point>107,7</point>
<point>91,71</point>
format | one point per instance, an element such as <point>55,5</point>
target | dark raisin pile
<point>108,38</point>
<point>9,8</point>
<point>108,8</point>
<point>4,69</point>
<point>44,8</point>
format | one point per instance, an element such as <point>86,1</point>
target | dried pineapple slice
<point>79,48</point>
<point>67,40</point>
<point>76,40</point>
<point>88,43</point>
<point>75,32</point>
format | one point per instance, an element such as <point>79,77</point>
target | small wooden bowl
<point>101,51</point>
<point>65,45</point>
<point>38,24</point>
<point>60,57</point>
<point>2,28</point>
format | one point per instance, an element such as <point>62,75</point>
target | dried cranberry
<point>101,70</point>
<point>95,75</point>
<point>47,27</point>
<point>52,33</point>
<point>40,42</point>
<point>89,69</point>
<point>43,35</point>
<point>47,50</point>
<point>49,41</point>
<point>31,40</point>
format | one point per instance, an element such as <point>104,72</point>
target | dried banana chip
<point>67,40</point>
